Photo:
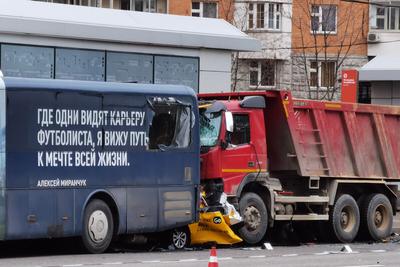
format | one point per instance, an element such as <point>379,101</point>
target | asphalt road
<point>362,255</point>
<point>68,253</point>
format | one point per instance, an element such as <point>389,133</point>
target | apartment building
<point>269,22</point>
<point>380,78</point>
<point>328,36</point>
<point>210,9</point>
<point>57,41</point>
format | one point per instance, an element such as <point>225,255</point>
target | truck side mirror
<point>229,121</point>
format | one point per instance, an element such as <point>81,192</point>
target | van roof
<point>91,86</point>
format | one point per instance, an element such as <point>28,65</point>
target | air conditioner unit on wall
<point>373,37</point>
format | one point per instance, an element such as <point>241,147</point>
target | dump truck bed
<point>329,139</point>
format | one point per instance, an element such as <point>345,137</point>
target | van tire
<point>180,238</point>
<point>255,215</point>
<point>345,219</point>
<point>377,216</point>
<point>98,227</point>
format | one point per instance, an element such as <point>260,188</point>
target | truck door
<point>238,158</point>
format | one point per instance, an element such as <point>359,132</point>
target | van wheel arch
<point>109,200</point>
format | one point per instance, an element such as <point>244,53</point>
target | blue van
<point>96,159</point>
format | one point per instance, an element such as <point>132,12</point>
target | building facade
<point>380,78</point>
<point>269,22</point>
<point>197,8</point>
<point>305,43</point>
<point>72,42</point>
<point>328,36</point>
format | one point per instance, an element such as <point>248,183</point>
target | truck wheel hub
<point>252,217</point>
<point>379,216</point>
<point>347,219</point>
<point>98,226</point>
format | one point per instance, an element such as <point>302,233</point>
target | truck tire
<point>98,227</point>
<point>345,219</point>
<point>377,216</point>
<point>255,215</point>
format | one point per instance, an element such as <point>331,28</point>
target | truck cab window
<point>170,126</point>
<point>210,123</point>
<point>241,130</point>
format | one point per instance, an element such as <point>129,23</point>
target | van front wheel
<point>98,227</point>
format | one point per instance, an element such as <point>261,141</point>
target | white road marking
<point>373,265</point>
<point>188,260</point>
<point>112,263</point>
<point>378,250</point>
<point>72,265</point>
<point>225,258</point>
<point>290,255</point>
<point>257,256</point>
<point>153,261</point>
<point>322,253</point>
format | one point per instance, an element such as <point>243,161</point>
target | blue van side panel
<point>142,218</point>
<point>2,159</point>
<point>40,213</point>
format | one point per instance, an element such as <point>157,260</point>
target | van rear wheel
<point>255,217</point>
<point>98,227</point>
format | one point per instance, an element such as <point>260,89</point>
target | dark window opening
<point>125,5</point>
<point>170,126</point>
<point>364,93</point>
<point>241,130</point>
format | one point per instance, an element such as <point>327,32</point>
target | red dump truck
<point>285,159</point>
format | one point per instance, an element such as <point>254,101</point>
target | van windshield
<point>210,124</point>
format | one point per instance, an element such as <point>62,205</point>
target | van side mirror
<point>229,121</point>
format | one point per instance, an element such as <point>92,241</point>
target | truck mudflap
<point>213,227</point>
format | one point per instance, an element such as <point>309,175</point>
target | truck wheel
<point>377,216</point>
<point>98,226</point>
<point>255,216</point>
<point>345,219</point>
<point>180,237</point>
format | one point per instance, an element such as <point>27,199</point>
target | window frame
<point>259,69</point>
<point>177,105</point>
<point>321,19</point>
<point>253,16</point>
<point>234,146</point>
<point>320,76</point>
<point>200,10</point>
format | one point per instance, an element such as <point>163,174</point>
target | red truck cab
<point>232,154</point>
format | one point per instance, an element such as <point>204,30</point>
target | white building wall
<point>384,92</point>
<point>215,65</point>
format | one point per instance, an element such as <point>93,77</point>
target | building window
<point>94,3</point>
<point>387,18</point>
<point>322,74</point>
<point>380,17</point>
<point>204,9</point>
<point>251,16</point>
<point>323,18</point>
<point>143,5</point>
<point>264,16</point>
<point>262,73</point>
<point>159,6</point>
